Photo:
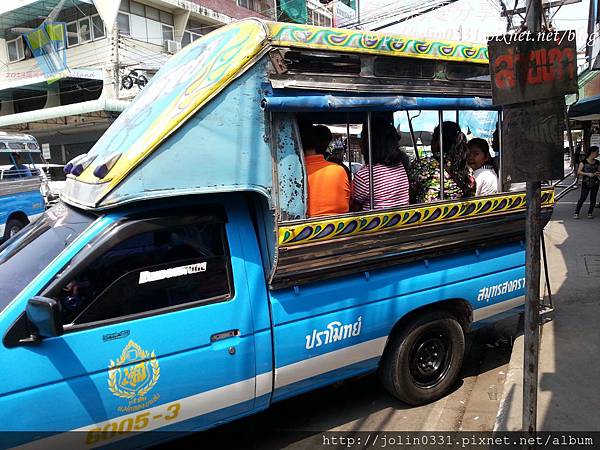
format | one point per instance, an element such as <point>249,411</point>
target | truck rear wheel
<point>13,226</point>
<point>423,361</point>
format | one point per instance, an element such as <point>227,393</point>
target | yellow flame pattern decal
<point>332,228</point>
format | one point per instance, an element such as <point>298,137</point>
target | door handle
<point>224,335</point>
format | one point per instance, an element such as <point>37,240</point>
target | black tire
<point>13,226</point>
<point>142,81</point>
<point>422,361</point>
<point>127,82</point>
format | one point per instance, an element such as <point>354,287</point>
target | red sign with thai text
<point>532,66</point>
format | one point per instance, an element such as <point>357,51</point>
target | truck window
<point>406,159</point>
<point>25,255</point>
<point>168,268</point>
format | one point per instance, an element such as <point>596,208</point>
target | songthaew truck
<point>179,284</point>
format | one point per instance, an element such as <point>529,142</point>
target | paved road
<point>363,405</point>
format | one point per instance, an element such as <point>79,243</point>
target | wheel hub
<point>430,355</point>
<point>430,358</point>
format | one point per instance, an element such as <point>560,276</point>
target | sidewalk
<point>569,369</point>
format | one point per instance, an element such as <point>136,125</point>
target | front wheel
<point>423,361</point>
<point>127,82</point>
<point>13,226</point>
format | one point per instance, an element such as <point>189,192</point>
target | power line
<point>376,15</point>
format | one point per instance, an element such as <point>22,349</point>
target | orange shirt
<point>328,187</point>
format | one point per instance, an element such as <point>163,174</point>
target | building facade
<point>105,70</point>
<point>585,114</point>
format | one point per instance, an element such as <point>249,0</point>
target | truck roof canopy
<point>161,115</point>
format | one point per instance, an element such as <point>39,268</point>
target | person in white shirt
<point>484,167</point>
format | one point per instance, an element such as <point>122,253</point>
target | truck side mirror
<point>44,314</point>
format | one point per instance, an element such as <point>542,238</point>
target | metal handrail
<point>556,183</point>
<point>568,189</point>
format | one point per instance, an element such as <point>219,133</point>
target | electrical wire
<point>412,8</point>
<point>376,14</point>
<point>407,15</point>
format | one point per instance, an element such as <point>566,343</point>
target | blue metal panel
<point>223,148</point>
<point>257,291</point>
<point>290,168</point>
<point>379,299</point>
<point>30,203</point>
<point>284,101</point>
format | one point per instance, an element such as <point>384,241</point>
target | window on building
<point>147,24</point>
<point>189,37</point>
<point>194,30</point>
<point>124,5</point>
<point>152,13</point>
<point>168,33</point>
<point>170,267</point>
<point>85,30</point>
<point>123,24</point>
<point>166,17</point>
<point>16,52</point>
<point>318,18</point>
<point>136,8</point>
<point>98,27</point>
<point>72,34</point>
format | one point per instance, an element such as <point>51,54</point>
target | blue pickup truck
<point>180,284</point>
<point>20,198</point>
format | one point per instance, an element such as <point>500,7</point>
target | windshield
<point>30,251</point>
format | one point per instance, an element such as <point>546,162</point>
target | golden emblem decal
<point>133,375</point>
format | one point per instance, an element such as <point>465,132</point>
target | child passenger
<point>484,167</point>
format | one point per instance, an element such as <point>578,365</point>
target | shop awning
<point>64,111</point>
<point>36,80</point>
<point>586,109</point>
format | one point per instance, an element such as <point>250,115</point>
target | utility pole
<point>116,69</point>
<point>532,257</point>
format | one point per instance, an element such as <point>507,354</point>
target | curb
<point>510,409</point>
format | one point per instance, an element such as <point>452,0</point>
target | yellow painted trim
<point>401,218</point>
<point>350,41</point>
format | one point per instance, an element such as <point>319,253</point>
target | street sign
<point>532,66</point>
<point>532,145</point>
<point>46,151</point>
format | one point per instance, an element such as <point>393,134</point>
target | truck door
<point>158,333</point>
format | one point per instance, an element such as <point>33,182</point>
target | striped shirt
<point>390,187</point>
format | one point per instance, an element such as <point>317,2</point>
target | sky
<point>472,20</point>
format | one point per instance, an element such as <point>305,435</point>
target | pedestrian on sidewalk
<point>588,170</point>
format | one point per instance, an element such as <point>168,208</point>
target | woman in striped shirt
<point>390,182</point>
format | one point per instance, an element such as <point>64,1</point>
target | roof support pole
<point>371,180</point>
<point>441,137</point>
